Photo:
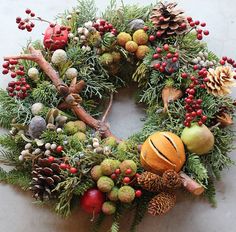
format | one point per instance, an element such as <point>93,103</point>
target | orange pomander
<point>162,151</point>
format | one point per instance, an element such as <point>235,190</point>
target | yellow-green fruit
<point>80,126</point>
<point>105,184</point>
<point>70,128</point>
<point>110,141</point>
<point>126,194</point>
<point>142,51</point>
<point>123,38</point>
<point>106,59</point>
<point>80,136</point>
<point>198,139</point>
<point>108,166</point>
<point>108,208</point>
<point>140,37</point>
<point>122,146</point>
<point>96,172</point>
<point>131,46</point>
<point>116,56</point>
<point>128,164</point>
<point>113,194</point>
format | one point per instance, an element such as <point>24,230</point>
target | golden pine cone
<point>171,179</point>
<point>168,20</point>
<point>161,203</point>
<point>150,182</point>
<point>220,80</point>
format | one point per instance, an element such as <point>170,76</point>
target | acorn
<point>96,172</point>
<point>105,184</point>
<point>123,38</point>
<point>108,166</point>
<point>142,51</point>
<point>131,46</point>
<point>128,164</point>
<point>113,194</point>
<point>126,194</point>
<point>140,37</point>
<point>108,208</point>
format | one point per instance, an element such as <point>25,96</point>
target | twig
<point>108,108</point>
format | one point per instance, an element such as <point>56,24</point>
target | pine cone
<point>168,20</point>
<point>150,182</point>
<point>220,80</point>
<point>46,175</point>
<point>171,179</point>
<point>161,203</point>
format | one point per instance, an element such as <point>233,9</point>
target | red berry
<point>189,119</point>
<point>189,19</point>
<point>197,22</point>
<point>27,86</point>
<point>194,114</point>
<point>204,118</point>
<point>126,180</point>
<point>73,170</point>
<point>193,78</point>
<point>117,171</point>
<point>187,124</point>
<point>230,61</point>
<point>18,19</point>
<point>206,79</point>
<point>63,166</point>
<point>51,159</point>
<point>224,58</point>
<point>162,69</point>
<point>166,47</point>
<point>159,50</point>
<point>199,31</point>
<point>184,75</point>
<point>183,26</point>
<point>59,149</point>
<point>128,171</point>
<point>18,88</point>
<point>32,24</point>
<point>5,71</point>
<point>199,101</point>
<point>203,24</point>
<point>206,32</point>
<point>188,100</point>
<point>32,14</point>
<point>164,64</point>
<point>195,67</point>
<point>176,54</point>
<point>174,59</point>
<point>113,176</point>
<point>202,86</point>
<point>155,56</point>
<point>152,38</point>
<point>222,62</point>
<point>10,89</point>
<point>192,24</point>
<point>192,91</point>
<point>161,18</point>
<point>157,66</point>
<point>5,65</point>
<point>138,193</point>
<point>137,175</point>
<point>199,112</point>
<point>27,11</point>
<point>102,22</point>
<point>159,34</point>
<point>171,70</point>
<point>200,123</point>
<point>145,28</point>
<point>23,89</point>
<point>199,37</point>
<point>169,55</point>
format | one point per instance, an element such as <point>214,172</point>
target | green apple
<point>198,139</point>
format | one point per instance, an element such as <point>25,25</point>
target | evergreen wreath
<point>56,107</point>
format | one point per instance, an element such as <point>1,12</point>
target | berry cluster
<point>167,60</point>
<point>103,27</point>
<point>18,88</point>
<point>27,22</point>
<point>193,105</point>
<point>198,26</point>
<point>13,68</point>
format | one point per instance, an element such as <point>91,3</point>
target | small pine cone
<point>171,179</point>
<point>168,20</point>
<point>150,182</point>
<point>161,203</point>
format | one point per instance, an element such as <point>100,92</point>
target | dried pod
<point>225,119</point>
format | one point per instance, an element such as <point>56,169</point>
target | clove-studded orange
<point>162,151</point>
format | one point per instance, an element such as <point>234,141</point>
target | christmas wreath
<point>56,107</point>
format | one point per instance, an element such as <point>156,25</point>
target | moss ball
<point>113,194</point>
<point>70,128</point>
<point>122,146</point>
<point>142,51</point>
<point>80,126</point>
<point>110,141</point>
<point>126,194</point>
<point>71,73</point>
<point>116,56</point>
<point>96,172</point>
<point>106,59</point>
<point>108,166</point>
<point>123,38</point>
<point>59,57</point>
<point>140,37</point>
<point>131,46</point>
<point>108,208</point>
<point>128,164</point>
<point>80,136</point>
<point>105,184</point>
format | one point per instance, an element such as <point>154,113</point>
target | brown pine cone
<point>171,179</point>
<point>161,203</point>
<point>46,175</point>
<point>168,20</point>
<point>150,182</point>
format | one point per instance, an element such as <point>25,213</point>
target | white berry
<point>95,144</point>
<point>47,146</point>
<point>28,146</point>
<point>33,73</point>
<point>21,157</point>
<point>36,108</point>
<point>53,146</point>
<point>71,73</point>
<point>69,17</point>
<point>48,152</point>
<point>59,130</point>
<point>37,151</point>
